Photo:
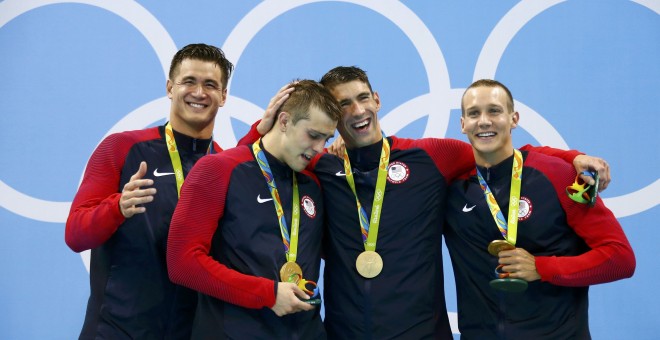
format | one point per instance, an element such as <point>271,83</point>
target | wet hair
<point>489,83</point>
<point>309,93</point>
<point>203,52</point>
<point>344,74</point>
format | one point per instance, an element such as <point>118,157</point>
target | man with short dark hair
<point>123,207</point>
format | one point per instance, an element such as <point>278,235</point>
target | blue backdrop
<point>584,75</point>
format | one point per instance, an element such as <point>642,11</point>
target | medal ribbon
<point>369,227</point>
<point>508,228</point>
<point>290,241</point>
<point>175,158</point>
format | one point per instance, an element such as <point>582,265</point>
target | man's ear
<point>283,120</point>
<point>223,98</point>
<point>462,125</point>
<point>377,100</point>
<point>168,88</point>
<point>514,117</point>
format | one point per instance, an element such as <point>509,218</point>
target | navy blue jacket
<point>406,301</point>
<point>574,246</point>
<point>225,242</point>
<point>131,294</point>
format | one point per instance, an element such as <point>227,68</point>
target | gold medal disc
<point>290,271</point>
<point>497,246</point>
<point>369,264</point>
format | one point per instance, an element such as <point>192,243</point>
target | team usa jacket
<point>131,294</point>
<point>225,242</point>
<point>406,300</point>
<point>574,246</point>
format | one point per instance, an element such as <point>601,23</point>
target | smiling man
<point>127,196</point>
<point>247,231</point>
<point>556,247</point>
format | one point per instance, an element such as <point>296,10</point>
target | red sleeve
<point>451,156</point>
<point>611,257</point>
<point>194,223</point>
<point>95,213</point>
<point>566,155</point>
<point>252,135</point>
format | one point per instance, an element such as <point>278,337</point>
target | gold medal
<point>497,246</point>
<point>290,272</point>
<point>369,264</point>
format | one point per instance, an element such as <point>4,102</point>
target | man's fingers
<point>337,147</point>
<point>288,299</point>
<point>133,199</point>
<point>136,184</point>
<point>519,263</point>
<point>132,211</point>
<point>513,256</point>
<point>142,170</point>
<point>268,118</point>
<point>281,95</point>
<point>588,179</point>
<point>594,164</point>
<point>299,293</point>
<point>605,177</point>
<point>132,196</point>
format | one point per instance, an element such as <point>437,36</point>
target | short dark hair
<point>344,74</point>
<point>489,83</point>
<point>203,52</point>
<point>309,93</point>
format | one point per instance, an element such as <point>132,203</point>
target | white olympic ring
<point>148,25</point>
<point>164,47</point>
<point>395,11</point>
<point>489,58</point>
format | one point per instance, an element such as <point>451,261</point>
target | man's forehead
<point>351,88</point>
<point>189,66</point>
<point>493,95</point>
<point>317,122</point>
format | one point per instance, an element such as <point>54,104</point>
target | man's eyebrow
<point>321,133</point>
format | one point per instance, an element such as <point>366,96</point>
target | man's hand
<point>288,299</point>
<point>337,147</point>
<point>520,264</point>
<point>589,163</point>
<point>268,119</point>
<point>133,195</point>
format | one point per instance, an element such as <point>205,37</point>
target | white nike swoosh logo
<point>340,173</point>
<point>158,174</point>
<point>466,209</point>
<point>263,200</point>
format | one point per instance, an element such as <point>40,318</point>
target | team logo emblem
<point>308,206</point>
<point>397,173</point>
<point>524,208</point>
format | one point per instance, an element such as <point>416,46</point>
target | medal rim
<point>359,263</point>
<point>496,246</point>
